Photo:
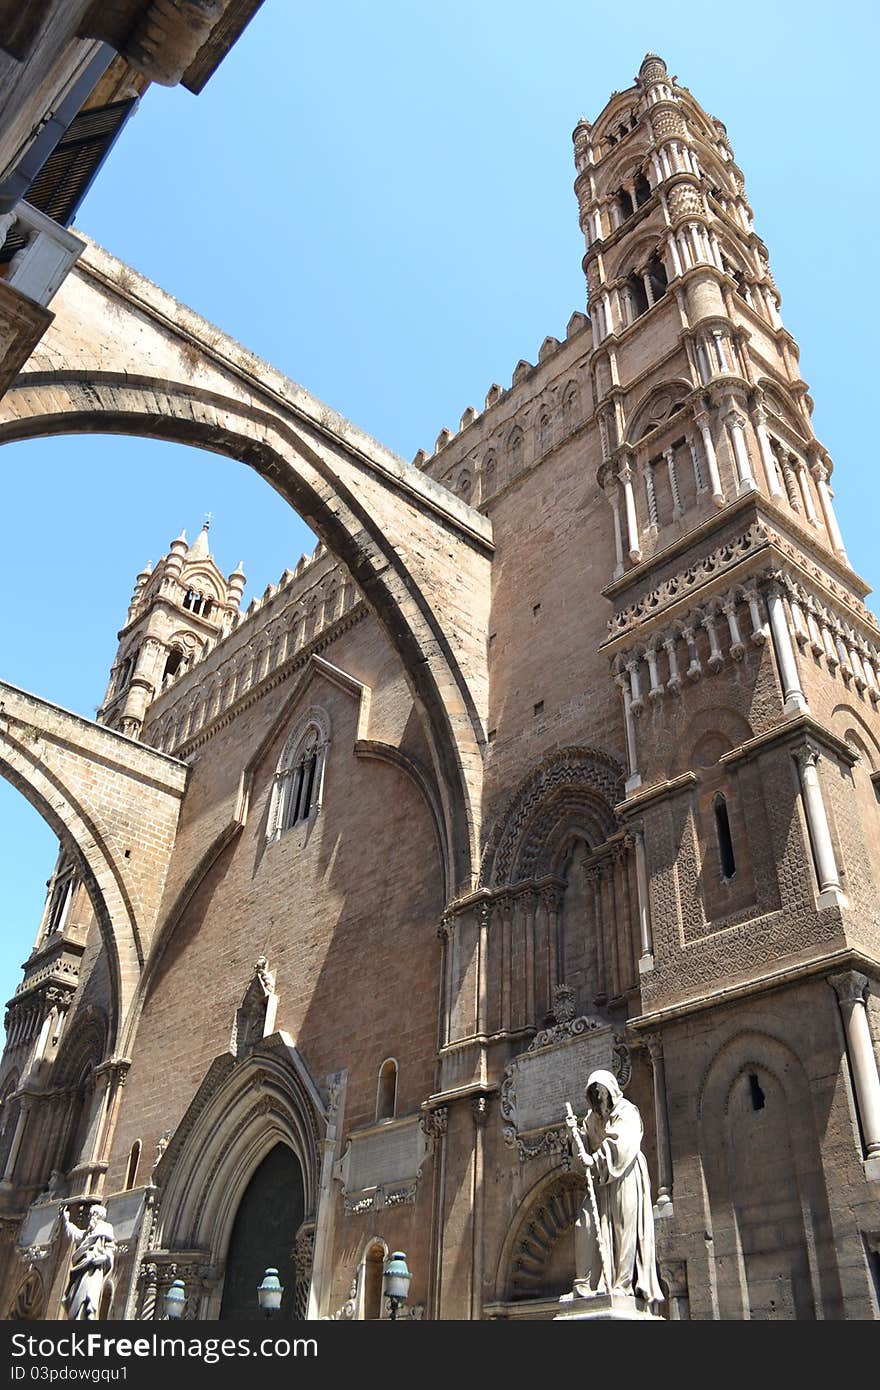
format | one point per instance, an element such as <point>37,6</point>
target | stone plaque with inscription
<point>381,1165</point>
<point>554,1070</point>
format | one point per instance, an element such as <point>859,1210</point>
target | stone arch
<point>29,1303</point>
<point>242,1110</point>
<point>854,729</point>
<point>418,554</point>
<point>537,1256</point>
<point>657,407</point>
<point>573,784</point>
<point>720,723</point>
<point>781,408</point>
<point>754,1073</point>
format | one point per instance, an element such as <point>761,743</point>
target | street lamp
<point>175,1297</point>
<point>396,1281</point>
<point>270,1292</point>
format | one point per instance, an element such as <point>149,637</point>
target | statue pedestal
<point>604,1307</point>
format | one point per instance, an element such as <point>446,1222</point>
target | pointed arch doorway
<point>269,1215</point>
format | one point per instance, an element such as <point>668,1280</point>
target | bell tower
<point>176,612</point>
<point>747,669</point>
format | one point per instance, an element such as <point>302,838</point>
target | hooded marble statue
<point>612,1137</point>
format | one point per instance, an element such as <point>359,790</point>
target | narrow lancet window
<point>725,839</point>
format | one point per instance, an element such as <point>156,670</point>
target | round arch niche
<point>269,1215</point>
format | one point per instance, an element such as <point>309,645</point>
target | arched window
<point>638,296</point>
<point>569,407</point>
<point>642,190</point>
<point>515,450</point>
<point>197,602</point>
<point>624,204</point>
<point>299,778</point>
<point>134,1159</point>
<point>64,886</point>
<point>545,432</point>
<point>173,663</point>
<point>657,276</point>
<point>386,1090</point>
<point>725,839</point>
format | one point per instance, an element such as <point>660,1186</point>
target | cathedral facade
<point>560,752</point>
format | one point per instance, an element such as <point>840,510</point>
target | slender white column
<point>792,694</point>
<point>632,667</point>
<point>673,254</point>
<point>656,689</point>
<point>716,659</point>
<point>674,681</point>
<point>820,474</point>
<point>702,422</point>
<point>663,1206</point>
<point>759,632</point>
<point>804,481</point>
<point>773,484</point>
<point>736,427</point>
<point>737,649</point>
<point>646,942</point>
<point>632,525</point>
<point>633,780</point>
<point>614,499</point>
<point>831,893</point>
<point>850,987</point>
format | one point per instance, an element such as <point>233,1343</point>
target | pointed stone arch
<point>418,554</point>
<point>101,793</point>
<point>243,1109</point>
<point>583,784</point>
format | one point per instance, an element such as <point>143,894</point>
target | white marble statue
<point>91,1263</point>
<point>616,1255</point>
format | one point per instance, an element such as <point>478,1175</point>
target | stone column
<point>804,481</point>
<point>632,525</point>
<point>702,422</point>
<point>484,915</point>
<point>794,699</point>
<point>614,501</point>
<point>773,484</point>
<point>322,1273</point>
<point>480,1112</point>
<point>736,426</point>
<point>850,989</point>
<point>831,893</point>
<point>633,780</point>
<point>820,474</point>
<point>663,1205</point>
<point>646,941</point>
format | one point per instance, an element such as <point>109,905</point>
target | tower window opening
<point>196,602</point>
<point>134,1159</point>
<point>657,276</point>
<point>725,839</point>
<point>758,1099</point>
<point>624,204</point>
<point>386,1090</point>
<point>638,296</point>
<point>642,190</point>
<point>173,664</point>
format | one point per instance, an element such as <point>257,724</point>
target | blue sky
<point>378,200</point>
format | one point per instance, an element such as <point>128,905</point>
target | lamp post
<point>270,1293</point>
<point>395,1281</point>
<point>175,1298</point>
